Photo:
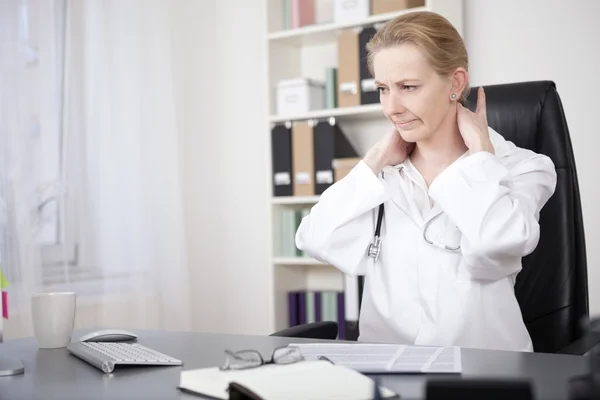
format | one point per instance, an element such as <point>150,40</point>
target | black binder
<point>329,143</point>
<point>281,157</point>
<point>368,90</point>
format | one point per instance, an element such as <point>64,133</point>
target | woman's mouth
<point>404,124</point>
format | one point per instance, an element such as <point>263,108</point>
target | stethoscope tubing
<point>375,246</point>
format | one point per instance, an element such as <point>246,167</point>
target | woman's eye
<point>409,88</point>
<point>380,89</point>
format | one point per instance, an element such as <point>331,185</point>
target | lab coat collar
<point>395,175</point>
<point>397,185</point>
<point>406,170</point>
<point>398,177</point>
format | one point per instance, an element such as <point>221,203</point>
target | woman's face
<point>413,95</point>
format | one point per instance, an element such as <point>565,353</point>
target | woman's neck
<point>444,147</point>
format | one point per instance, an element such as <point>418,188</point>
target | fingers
<point>461,111</point>
<point>481,107</point>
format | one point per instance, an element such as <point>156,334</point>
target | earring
<point>453,96</point>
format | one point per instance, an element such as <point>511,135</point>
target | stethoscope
<point>375,246</point>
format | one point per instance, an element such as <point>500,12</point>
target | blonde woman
<point>460,205</point>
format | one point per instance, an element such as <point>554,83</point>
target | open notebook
<point>305,380</point>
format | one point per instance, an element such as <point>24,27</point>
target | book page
<point>303,381</point>
<point>383,358</point>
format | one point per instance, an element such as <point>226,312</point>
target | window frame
<point>50,43</point>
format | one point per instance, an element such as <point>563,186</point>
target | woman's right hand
<point>389,150</point>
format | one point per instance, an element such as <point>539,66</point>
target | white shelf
<point>326,33</point>
<point>296,261</point>
<point>295,199</point>
<point>343,113</point>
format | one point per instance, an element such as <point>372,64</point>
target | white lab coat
<point>418,293</point>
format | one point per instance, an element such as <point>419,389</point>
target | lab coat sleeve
<point>496,208</point>
<point>340,226</point>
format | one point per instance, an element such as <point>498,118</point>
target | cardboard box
<point>299,95</point>
<point>348,75</point>
<point>387,6</point>
<point>303,158</point>
<point>351,10</point>
<point>342,166</point>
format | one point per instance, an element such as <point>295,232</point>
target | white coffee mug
<point>53,317</point>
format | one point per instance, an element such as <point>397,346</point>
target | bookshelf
<point>299,261</point>
<point>341,114</point>
<point>326,32</point>
<point>307,52</point>
<point>294,199</point>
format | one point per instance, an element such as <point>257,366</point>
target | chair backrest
<point>552,288</point>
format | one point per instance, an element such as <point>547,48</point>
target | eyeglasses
<point>245,359</point>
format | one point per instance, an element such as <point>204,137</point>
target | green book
<point>298,219</point>
<point>286,234</point>
<point>286,14</point>
<point>290,233</point>
<point>331,100</point>
<point>304,212</point>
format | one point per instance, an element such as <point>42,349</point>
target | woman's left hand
<point>473,126</point>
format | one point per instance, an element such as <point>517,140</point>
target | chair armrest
<point>582,345</point>
<point>315,330</point>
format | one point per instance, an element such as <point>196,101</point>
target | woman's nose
<point>393,104</point>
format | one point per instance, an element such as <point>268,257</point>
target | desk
<point>55,374</point>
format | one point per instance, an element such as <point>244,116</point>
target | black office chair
<point>552,288</point>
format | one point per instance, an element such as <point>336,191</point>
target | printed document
<point>386,358</point>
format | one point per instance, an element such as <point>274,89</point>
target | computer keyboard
<point>106,355</point>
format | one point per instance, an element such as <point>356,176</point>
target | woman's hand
<point>473,126</point>
<point>389,150</point>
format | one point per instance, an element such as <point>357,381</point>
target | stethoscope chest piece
<point>375,248</point>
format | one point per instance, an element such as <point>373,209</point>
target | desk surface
<point>55,374</point>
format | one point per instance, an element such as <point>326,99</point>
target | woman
<point>461,204</point>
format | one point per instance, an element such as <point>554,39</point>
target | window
<point>46,23</point>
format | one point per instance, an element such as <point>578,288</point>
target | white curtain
<point>19,157</point>
<point>118,197</point>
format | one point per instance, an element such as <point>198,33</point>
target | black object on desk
<point>587,386</point>
<point>477,389</point>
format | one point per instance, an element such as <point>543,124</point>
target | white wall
<point>516,40</point>
<point>194,49</point>
<point>219,71</point>
<point>244,159</point>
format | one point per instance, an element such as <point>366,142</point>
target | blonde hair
<point>433,34</point>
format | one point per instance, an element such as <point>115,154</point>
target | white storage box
<point>299,95</point>
<point>351,10</point>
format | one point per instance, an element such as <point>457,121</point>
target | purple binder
<point>301,307</point>
<point>293,309</point>
<point>318,315</point>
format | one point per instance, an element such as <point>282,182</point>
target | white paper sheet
<point>386,358</point>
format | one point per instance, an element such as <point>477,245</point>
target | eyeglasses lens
<point>287,355</point>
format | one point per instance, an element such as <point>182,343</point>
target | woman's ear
<point>459,81</point>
